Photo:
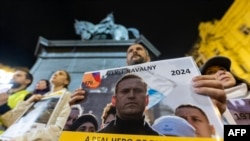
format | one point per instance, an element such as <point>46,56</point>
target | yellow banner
<point>87,136</point>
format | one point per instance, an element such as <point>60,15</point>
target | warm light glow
<point>5,76</point>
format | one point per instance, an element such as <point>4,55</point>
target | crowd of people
<point>125,114</point>
<point>59,83</point>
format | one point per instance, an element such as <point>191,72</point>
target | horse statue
<point>106,29</point>
<point>85,29</point>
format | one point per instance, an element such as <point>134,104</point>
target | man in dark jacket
<point>130,100</point>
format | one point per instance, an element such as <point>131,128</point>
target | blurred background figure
<point>76,111</point>
<point>171,125</point>
<point>42,87</point>
<point>85,123</point>
<point>108,114</point>
<point>9,98</point>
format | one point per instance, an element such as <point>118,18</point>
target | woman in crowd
<point>42,87</point>
<point>237,89</point>
<point>219,66</point>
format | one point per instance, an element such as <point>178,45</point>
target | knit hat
<point>173,126</point>
<point>82,119</point>
<point>216,61</point>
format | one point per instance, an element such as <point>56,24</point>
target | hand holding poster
<point>35,116</point>
<point>169,86</point>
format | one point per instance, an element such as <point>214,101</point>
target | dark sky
<point>171,26</point>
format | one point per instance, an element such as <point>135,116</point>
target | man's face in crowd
<point>197,120</point>
<point>130,99</point>
<point>19,79</point>
<point>137,54</point>
<point>222,75</point>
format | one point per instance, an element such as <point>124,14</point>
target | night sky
<point>171,26</point>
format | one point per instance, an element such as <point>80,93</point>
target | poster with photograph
<point>37,116</point>
<point>169,86</point>
<point>238,111</point>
